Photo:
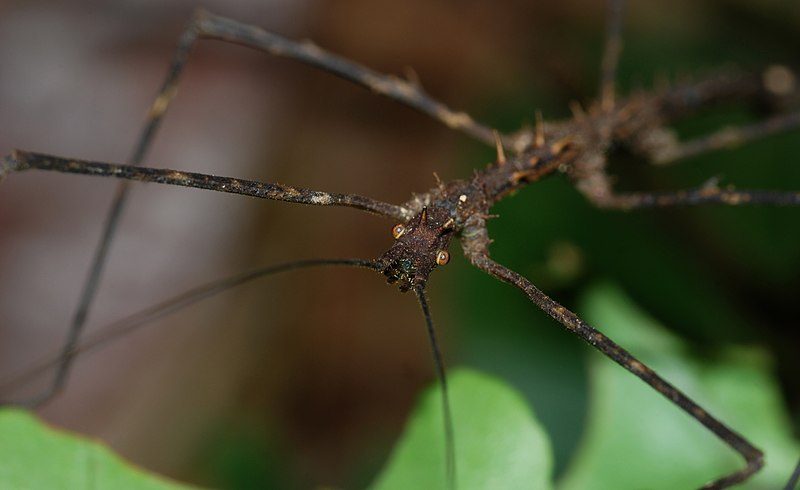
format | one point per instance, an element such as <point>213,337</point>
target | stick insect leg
<point>724,138</point>
<point>709,193</point>
<point>92,281</point>
<point>792,483</point>
<point>598,187</point>
<point>207,25</point>
<point>753,457</point>
<point>148,316</point>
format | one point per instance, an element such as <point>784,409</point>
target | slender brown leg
<point>707,194</point>
<point>148,316</point>
<point>438,361</point>
<point>406,92</point>
<point>611,51</point>
<point>597,186</point>
<point>20,161</point>
<point>793,479</point>
<point>753,457</point>
<point>205,24</point>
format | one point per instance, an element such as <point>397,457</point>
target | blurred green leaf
<point>34,456</point>
<point>499,443</point>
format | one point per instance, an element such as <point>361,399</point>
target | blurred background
<point>306,379</point>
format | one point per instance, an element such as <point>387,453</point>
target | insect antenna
<point>611,52</point>
<point>149,315</point>
<point>449,441</point>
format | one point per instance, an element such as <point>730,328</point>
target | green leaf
<point>499,443</point>
<point>638,439</point>
<point>34,456</point>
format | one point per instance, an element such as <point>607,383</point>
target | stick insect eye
<point>442,257</point>
<point>398,231</point>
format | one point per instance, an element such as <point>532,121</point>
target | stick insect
<point>554,141</point>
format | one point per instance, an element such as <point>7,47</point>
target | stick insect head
<point>420,245</point>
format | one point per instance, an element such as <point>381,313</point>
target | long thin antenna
<point>172,305</point>
<point>449,438</point>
